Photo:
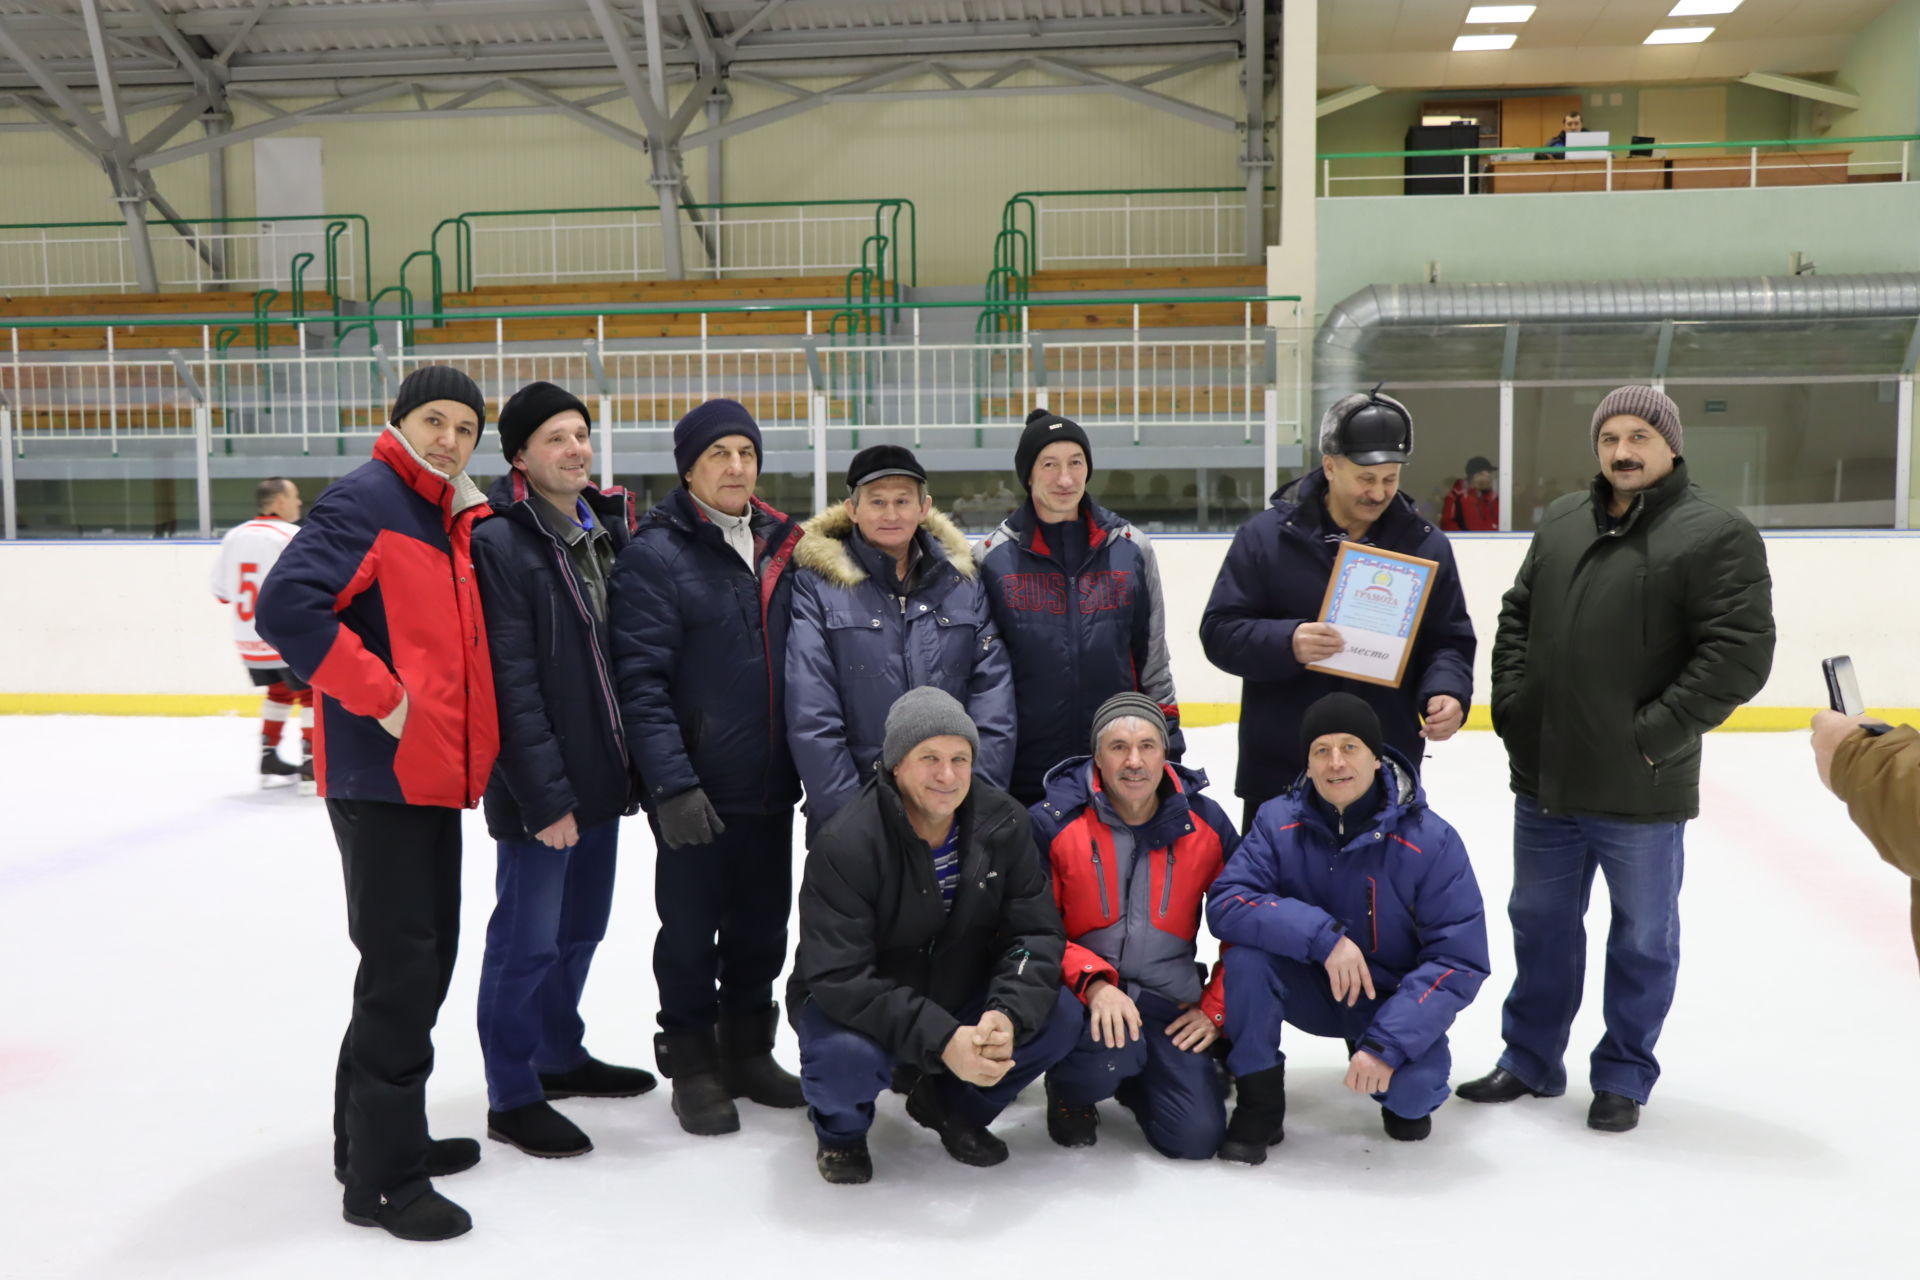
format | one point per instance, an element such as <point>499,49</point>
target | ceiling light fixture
<point>1679,35</point>
<point>1474,44</point>
<point>1701,8</point>
<point>1485,13</point>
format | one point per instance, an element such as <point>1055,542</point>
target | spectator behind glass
<point>1557,144</point>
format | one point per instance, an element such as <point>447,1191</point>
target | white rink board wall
<point>136,618</point>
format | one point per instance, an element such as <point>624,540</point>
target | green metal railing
<point>1753,146</point>
<point>336,226</point>
<point>880,270</point>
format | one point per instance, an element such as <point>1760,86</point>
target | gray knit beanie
<point>1122,705</point>
<point>919,714</point>
<point>1644,403</point>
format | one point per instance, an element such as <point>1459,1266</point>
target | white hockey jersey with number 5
<point>246,554</point>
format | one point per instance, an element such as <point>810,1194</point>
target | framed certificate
<point>1375,600</point>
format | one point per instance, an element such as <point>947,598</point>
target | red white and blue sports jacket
<point>1144,934</point>
<point>374,598</point>
<point>1398,884</point>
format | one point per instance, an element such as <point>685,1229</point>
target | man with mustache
<point>1132,847</point>
<point>1261,622</point>
<point>1641,617</point>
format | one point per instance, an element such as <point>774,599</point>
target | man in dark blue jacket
<point>1261,622</point>
<point>700,606</point>
<point>1349,910</point>
<point>1075,590</point>
<point>890,600</point>
<point>562,781</point>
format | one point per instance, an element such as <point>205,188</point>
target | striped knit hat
<point>1644,403</point>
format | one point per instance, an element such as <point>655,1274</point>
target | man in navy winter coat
<point>1349,910</point>
<point>1261,622</point>
<point>890,599</point>
<point>562,782</point>
<point>699,604</point>
<point>1076,592</point>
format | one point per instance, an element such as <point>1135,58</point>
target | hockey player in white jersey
<point>246,554</point>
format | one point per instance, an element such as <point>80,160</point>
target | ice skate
<point>273,768</point>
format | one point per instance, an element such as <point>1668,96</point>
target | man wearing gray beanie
<point>1133,848</point>
<point>906,962</point>
<point>1641,619</point>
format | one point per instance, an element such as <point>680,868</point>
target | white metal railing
<point>1203,228</point>
<point>808,394</point>
<point>595,245</point>
<point>1649,168</point>
<point>99,258</point>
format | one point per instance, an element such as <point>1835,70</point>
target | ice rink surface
<point>177,977</point>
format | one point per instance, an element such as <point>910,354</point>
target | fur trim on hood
<point>823,547</point>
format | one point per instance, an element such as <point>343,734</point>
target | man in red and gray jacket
<point>1132,848</point>
<point>375,605</point>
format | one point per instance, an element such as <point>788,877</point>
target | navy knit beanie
<point>1043,429</point>
<point>529,410</point>
<point>694,434</point>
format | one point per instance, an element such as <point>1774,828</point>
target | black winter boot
<point>1401,1129</point>
<point>1498,1085</point>
<point>747,1067</point>
<point>596,1079</point>
<point>1071,1126</point>
<point>1259,1116</point>
<point>967,1143</point>
<point>845,1166</point>
<point>428,1216</point>
<point>692,1061</point>
<point>1612,1113</point>
<point>538,1130</point>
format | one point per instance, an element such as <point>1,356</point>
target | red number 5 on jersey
<point>248,597</point>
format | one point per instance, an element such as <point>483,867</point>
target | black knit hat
<point>529,410</point>
<point>1043,429</point>
<point>1340,713</point>
<point>878,461</point>
<point>432,382</point>
<point>694,434</point>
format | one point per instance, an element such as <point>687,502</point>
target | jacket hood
<point>1405,793</point>
<point>1070,788</point>
<point>452,494</point>
<point>825,546</point>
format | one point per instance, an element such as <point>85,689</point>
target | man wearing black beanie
<point>1075,590</point>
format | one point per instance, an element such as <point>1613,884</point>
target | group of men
<point>1007,862</point>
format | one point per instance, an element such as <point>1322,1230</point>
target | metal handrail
<point>298,269</point>
<point>262,326</point>
<point>331,219</point>
<point>1613,146</point>
<point>1010,211</point>
<point>433,260</point>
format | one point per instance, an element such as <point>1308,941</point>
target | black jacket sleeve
<point>1031,940</point>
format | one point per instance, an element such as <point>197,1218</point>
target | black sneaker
<point>845,1166</point>
<point>967,1143</point>
<point>596,1079</point>
<point>445,1157</point>
<point>428,1216</point>
<point>1071,1126</point>
<point>538,1130</point>
<point>1612,1113</point>
<point>1401,1129</point>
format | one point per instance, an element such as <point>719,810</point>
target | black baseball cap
<point>1477,464</point>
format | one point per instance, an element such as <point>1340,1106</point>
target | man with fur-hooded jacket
<point>888,600</point>
<point>1349,910</point>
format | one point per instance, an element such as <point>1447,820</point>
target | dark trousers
<point>550,913</point>
<point>1554,862</point>
<point>1179,1098</point>
<point>402,867</point>
<point>1266,992</point>
<point>723,919</point>
<point>843,1071</point>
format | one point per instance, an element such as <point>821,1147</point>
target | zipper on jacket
<point>1166,888</point>
<point>1100,877</point>
<point>593,642</point>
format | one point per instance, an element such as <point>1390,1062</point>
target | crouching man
<point>1349,910</point>
<point>1133,846</point>
<point>927,939</point>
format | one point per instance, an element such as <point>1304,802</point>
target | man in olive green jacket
<point>1641,618</point>
<point>1878,775</point>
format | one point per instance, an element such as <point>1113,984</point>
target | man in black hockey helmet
<point>1261,622</point>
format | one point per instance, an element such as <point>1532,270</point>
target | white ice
<point>177,977</point>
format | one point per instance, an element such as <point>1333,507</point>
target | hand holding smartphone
<point>1843,691</point>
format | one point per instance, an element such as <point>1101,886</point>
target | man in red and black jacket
<point>1472,506</point>
<point>374,603</point>
<point>1132,848</point>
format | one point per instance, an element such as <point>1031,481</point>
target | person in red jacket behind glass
<point>1132,848</point>
<point>374,603</point>
<point>1472,506</point>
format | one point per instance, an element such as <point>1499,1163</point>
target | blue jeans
<point>550,915</point>
<point>842,1071</point>
<point>1181,1099</point>
<point>1266,992</point>
<point>1554,859</point>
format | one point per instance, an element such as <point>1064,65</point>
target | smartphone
<point>1843,690</point>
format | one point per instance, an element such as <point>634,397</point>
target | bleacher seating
<point>641,293</point>
<point>1144,282</point>
<point>193,310</point>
